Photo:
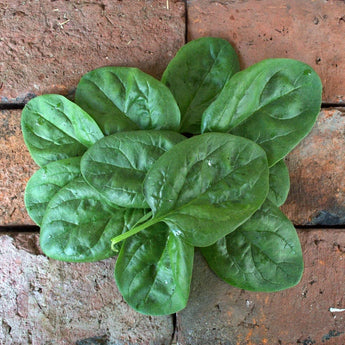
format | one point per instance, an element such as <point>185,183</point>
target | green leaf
<point>153,271</point>
<point>78,225</point>
<point>264,254</point>
<point>117,165</point>
<point>55,128</point>
<point>274,103</point>
<point>197,74</point>
<point>279,183</point>
<point>125,99</point>
<point>46,182</point>
<point>206,186</point>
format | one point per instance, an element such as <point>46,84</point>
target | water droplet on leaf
<point>177,233</point>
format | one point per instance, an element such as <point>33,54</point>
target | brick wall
<point>45,47</point>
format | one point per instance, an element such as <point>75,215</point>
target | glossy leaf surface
<point>153,271</point>
<point>274,103</point>
<point>46,182</point>
<point>125,99</point>
<point>78,225</point>
<point>208,185</point>
<point>264,254</point>
<point>55,128</point>
<point>196,75</point>
<point>117,165</point>
<point>279,183</point>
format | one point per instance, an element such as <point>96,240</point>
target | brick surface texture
<point>16,168</point>
<point>309,313</point>
<point>43,301</point>
<point>316,166</point>
<point>310,31</point>
<point>46,46</point>
<point>317,174</point>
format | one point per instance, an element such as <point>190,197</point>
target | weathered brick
<point>46,46</point>
<point>16,169</point>
<point>310,31</point>
<point>316,166</point>
<point>313,312</point>
<point>44,301</point>
<point>317,172</point>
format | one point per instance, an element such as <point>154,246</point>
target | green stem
<point>143,219</point>
<point>133,231</point>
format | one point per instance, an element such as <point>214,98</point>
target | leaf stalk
<point>133,231</point>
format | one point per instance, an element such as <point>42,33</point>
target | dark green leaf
<point>264,254</point>
<point>274,102</point>
<point>197,74</point>
<point>153,271</point>
<point>78,225</point>
<point>125,99</point>
<point>206,186</point>
<point>55,128</point>
<point>46,182</point>
<point>117,165</point>
<point>279,183</point>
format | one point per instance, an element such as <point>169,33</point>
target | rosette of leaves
<point>148,170</point>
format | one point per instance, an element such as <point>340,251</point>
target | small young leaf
<point>264,254</point>
<point>55,128</point>
<point>46,182</point>
<point>197,74</point>
<point>153,271</point>
<point>274,103</point>
<point>206,186</point>
<point>279,183</point>
<point>125,99</point>
<point>78,225</point>
<point>117,165</point>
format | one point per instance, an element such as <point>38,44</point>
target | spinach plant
<point>148,170</point>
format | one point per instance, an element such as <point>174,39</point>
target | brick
<point>310,313</point>
<point>44,302</point>
<point>16,169</point>
<point>316,166</point>
<point>317,173</point>
<point>310,31</point>
<point>46,46</point>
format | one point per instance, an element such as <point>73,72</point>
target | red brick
<point>46,46</point>
<point>316,166</point>
<point>317,172</point>
<point>16,169</point>
<point>310,31</point>
<point>44,301</point>
<point>310,313</point>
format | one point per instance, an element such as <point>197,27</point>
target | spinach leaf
<point>117,165</point>
<point>55,128</point>
<point>264,254</point>
<point>197,74</point>
<point>205,187</point>
<point>274,103</point>
<point>279,183</point>
<point>125,99</point>
<point>78,225</point>
<point>46,182</point>
<point>153,271</point>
